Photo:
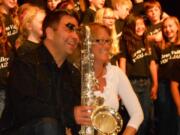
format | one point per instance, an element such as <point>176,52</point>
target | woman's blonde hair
<point>121,3</point>
<point>99,19</point>
<point>99,15</point>
<point>26,14</point>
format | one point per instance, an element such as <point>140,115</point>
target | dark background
<point>172,7</point>
<point>169,6</point>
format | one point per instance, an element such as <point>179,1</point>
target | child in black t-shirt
<point>169,53</point>
<point>137,59</point>
<point>121,9</point>
<point>30,28</point>
<point>155,16</point>
<point>5,54</point>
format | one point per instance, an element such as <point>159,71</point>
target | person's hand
<point>158,37</point>
<point>129,131</point>
<point>164,16</point>
<point>82,115</point>
<point>154,91</point>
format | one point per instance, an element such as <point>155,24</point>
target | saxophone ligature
<point>105,120</point>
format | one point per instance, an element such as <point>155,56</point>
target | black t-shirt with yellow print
<point>4,66</point>
<point>168,57</point>
<point>11,29</point>
<point>137,63</point>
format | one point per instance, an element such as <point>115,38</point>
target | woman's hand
<point>82,115</point>
<point>129,131</point>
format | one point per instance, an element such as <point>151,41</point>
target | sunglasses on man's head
<point>72,27</point>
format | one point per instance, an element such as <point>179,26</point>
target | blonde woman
<point>30,28</point>
<point>112,83</point>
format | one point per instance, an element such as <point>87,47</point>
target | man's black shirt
<point>38,88</point>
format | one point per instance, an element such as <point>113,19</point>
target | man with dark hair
<point>44,87</point>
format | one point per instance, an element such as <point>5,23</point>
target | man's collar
<point>46,58</point>
<point>44,55</point>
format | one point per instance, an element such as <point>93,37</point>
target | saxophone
<point>105,121</point>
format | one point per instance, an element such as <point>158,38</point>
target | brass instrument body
<point>112,121</point>
<point>87,77</point>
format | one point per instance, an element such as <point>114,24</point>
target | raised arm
<point>131,103</point>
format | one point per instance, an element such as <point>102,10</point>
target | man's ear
<point>49,33</point>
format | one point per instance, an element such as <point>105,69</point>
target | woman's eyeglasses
<point>102,41</point>
<point>109,17</point>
